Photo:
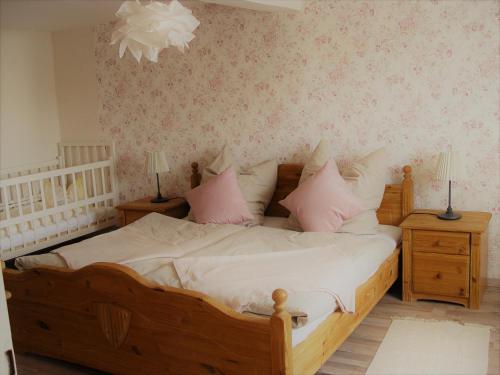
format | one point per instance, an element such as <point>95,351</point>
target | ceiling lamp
<point>147,29</point>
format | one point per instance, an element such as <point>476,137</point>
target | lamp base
<point>159,199</point>
<point>449,216</point>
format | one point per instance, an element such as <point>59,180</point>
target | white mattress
<point>191,238</point>
<point>48,227</point>
<point>301,333</point>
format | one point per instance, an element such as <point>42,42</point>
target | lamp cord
<point>423,213</point>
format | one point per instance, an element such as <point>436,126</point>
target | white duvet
<point>237,265</point>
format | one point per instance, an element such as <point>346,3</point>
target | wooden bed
<point>108,317</point>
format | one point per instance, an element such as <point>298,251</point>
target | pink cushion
<point>323,202</point>
<point>219,201</point>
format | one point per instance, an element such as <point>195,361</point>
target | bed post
<point>195,175</point>
<point>407,204</point>
<point>281,336</point>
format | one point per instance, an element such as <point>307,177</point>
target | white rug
<point>419,347</point>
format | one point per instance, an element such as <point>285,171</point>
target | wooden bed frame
<point>108,317</point>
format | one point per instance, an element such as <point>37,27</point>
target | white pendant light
<point>147,29</point>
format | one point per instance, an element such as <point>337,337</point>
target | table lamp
<point>157,163</point>
<point>450,168</point>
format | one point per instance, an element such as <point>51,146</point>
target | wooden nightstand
<point>445,260</point>
<point>132,211</point>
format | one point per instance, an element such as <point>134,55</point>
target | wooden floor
<point>355,355</point>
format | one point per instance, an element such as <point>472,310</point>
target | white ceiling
<point>57,15</point>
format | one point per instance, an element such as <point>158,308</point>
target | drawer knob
<point>438,276</point>
<point>437,243</point>
<point>462,291</point>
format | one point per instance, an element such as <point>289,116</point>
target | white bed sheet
<point>301,333</point>
<point>162,272</point>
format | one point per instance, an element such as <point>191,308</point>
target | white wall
<point>29,123</point>
<point>76,84</point>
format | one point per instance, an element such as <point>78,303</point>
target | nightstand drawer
<point>132,211</point>
<point>439,274</point>
<point>441,242</point>
<point>131,216</point>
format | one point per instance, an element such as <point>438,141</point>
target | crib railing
<point>83,195</point>
<point>69,154</point>
<point>77,153</point>
<point>32,168</point>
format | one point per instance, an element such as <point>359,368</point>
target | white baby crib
<point>51,202</point>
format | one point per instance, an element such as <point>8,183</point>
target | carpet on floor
<point>423,347</point>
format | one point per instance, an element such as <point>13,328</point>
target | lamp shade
<point>157,162</point>
<point>148,29</point>
<point>450,167</point>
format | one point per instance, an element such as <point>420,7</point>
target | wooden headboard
<point>396,204</point>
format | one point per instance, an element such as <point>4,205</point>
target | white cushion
<point>367,178</point>
<point>320,156</point>
<point>257,183</point>
<point>221,162</point>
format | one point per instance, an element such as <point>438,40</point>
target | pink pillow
<point>323,201</point>
<point>219,201</point>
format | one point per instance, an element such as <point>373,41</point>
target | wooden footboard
<point>108,317</point>
<point>311,353</point>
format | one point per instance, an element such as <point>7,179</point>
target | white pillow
<point>367,178</point>
<point>80,189</point>
<point>221,162</point>
<point>320,156</point>
<point>257,183</point>
<point>50,202</point>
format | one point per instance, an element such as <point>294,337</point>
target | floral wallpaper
<point>415,76</point>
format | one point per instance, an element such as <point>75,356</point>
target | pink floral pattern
<point>415,76</point>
